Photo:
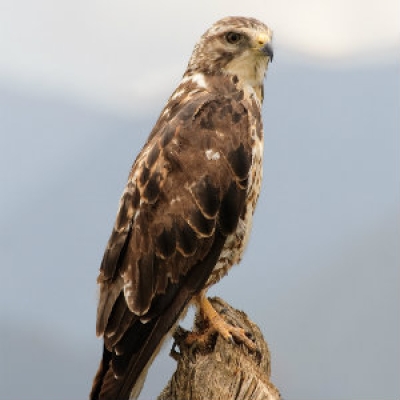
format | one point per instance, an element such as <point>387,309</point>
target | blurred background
<point>82,83</point>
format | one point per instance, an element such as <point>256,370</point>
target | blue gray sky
<point>81,85</point>
<point>123,56</point>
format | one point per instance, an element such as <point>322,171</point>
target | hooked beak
<point>263,43</point>
<point>268,51</point>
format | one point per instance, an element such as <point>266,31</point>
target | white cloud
<point>121,55</point>
<point>339,29</point>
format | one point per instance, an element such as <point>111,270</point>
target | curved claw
<point>229,332</point>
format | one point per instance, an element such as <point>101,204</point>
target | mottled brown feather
<point>207,196</point>
<point>166,235</point>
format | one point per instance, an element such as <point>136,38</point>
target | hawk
<point>185,215</point>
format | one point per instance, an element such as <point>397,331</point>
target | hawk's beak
<point>264,45</point>
<point>268,51</point>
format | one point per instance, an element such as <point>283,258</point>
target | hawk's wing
<point>184,195</point>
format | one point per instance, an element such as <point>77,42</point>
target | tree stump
<point>220,370</point>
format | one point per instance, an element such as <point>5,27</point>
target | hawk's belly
<point>236,243</point>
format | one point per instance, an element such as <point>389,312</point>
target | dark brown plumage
<point>185,214</point>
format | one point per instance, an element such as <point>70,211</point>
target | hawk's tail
<point>122,372</point>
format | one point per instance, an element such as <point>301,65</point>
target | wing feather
<point>184,195</point>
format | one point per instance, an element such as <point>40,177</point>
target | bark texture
<point>218,369</point>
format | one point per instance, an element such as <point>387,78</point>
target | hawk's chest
<point>235,243</point>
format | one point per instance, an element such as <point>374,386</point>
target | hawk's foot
<point>216,323</point>
<point>200,339</point>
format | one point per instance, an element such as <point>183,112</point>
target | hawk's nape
<point>185,214</point>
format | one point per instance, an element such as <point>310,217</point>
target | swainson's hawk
<point>185,214</point>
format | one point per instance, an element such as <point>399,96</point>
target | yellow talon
<point>218,324</point>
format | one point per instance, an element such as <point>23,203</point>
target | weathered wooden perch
<point>221,370</point>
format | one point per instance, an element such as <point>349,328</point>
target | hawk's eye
<point>233,37</point>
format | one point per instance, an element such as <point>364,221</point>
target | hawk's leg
<point>216,323</point>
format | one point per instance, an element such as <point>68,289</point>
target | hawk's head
<point>237,46</point>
